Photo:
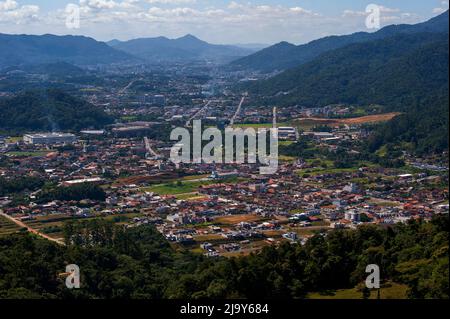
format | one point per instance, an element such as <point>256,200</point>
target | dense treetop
<point>49,110</point>
<point>139,263</point>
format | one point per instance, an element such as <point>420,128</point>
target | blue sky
<point>216,21</point>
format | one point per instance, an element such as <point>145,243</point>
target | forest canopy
<point>139,263</point>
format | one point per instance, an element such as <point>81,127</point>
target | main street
<point>238,111</point>
<point>188,123</point>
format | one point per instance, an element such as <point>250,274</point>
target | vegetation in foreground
<point>139,263</point>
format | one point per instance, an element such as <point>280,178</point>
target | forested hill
<point>406,73</point>
<point>138,263</point>
<point>395,71</point>
<point>49,110</point>
<point>39,49</point>
<point>187,48</point>
<point>284,55</point>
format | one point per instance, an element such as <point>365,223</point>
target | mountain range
<point>405,72</point>
<point>187,48</point>
<point>19,50</point>
<point>392,71</point>
<point>285,55</point>
<point>35,49</point>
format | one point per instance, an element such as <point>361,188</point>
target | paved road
<point>188,123</point>
<point>149,148</point>
<point>128,86</point>
<point>31,230</point>
<point>237,111</point>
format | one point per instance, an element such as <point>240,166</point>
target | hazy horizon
<point>219,22</point>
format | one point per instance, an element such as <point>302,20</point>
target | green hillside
<point>49,110</point>
<point>406,73</point>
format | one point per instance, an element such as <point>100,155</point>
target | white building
<point>352,216</point>
<point>49,138</point>
<point>285,133</point>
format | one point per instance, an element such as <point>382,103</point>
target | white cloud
<point>388,10</point>
<point>108,4</point>
<point>353,13</point>
<point>8,5</point>
<point>442,8</point>
<point>230,22</point>
<point>235,5</point>
<point>300,10</point>
<point>11,12</point>
<point>388,16</point>
<point>172,2</point>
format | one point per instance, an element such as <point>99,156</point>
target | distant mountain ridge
<point>407,72</point>
<point>189,47</point>
<point>394,71</point>
<point>285,55</point>
<point>41,49</point>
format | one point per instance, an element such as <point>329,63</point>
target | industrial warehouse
<point>49,138</point>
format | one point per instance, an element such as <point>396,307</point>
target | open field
<point>191,196</point>
<point>157,179</point>
<point>194,177</point>
<point>210,238</point>
<point>184,186</point>
<point>285,143</point>
<point>236,219</point>
<point>7,227</point>
<point>285,158</point>
<point>387,291</point>
<point>177,188</point>
<point>149,179</point>
<point>383,203</point>
<point>14,139</point>
<point>321,171</point>
<point>311,121</point>
<point>50,225</point>
<point>27,227</point>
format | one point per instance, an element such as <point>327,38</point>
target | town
<point>215,209</point>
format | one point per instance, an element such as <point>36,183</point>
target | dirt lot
<point>350,121</point>
<point>236,219</point>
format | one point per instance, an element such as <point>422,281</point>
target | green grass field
<point>193,177</point>
<point>175,189</point>
<point>286,158</point>
<point>14,139</point>
<point>285,143</point>
<point>183,187</point>
<point>387,291</point>
<point>7,227</point>
<point>189,196</point>
<point>320,171</point>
